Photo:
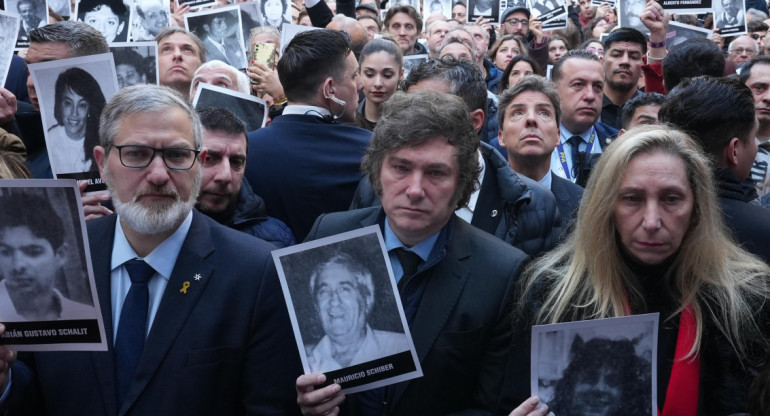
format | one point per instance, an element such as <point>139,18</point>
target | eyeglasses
<point>345,291</point>
<point>741,51</point>
<point>757,36</point>
<point>516,22</point>
<point>138,157</point>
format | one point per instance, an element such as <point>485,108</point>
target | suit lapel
<point>101,241</point>
<point>175,306</point>
<point>444,287</point>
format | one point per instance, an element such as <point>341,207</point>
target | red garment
<point>653,77</point>
<point>682,392</point>
<point>583,20</point>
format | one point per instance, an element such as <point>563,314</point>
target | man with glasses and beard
<point>163,274</point>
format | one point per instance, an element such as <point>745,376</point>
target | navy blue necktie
<point>132,326</point>
<point>409,261</point>
<point>574,143</point>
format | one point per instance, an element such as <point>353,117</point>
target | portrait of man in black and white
<point>221,33</point>
<point>43,277</point>
<point>343,295</point>
<point>148,18</point>
<point>33,14</point>
<point>604,378</point>
<point>431,7</point>
<point>729,13</point>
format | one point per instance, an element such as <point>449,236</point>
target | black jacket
<point>749,223</point>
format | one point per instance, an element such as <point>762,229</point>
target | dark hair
<point>588,359</point>
<point>630,107</point>
<point>712,110</point>
<point>692,58</point>
<point>83,84</point>
<point>221,119</point>
<point>746,68</point>
<point>463,77</point>
<point>403,8</point>
<point>533,83</point>
<point>410,120</point>
<point>128,56</point>
<point>117,6</point>
<point>756,26</point>
<point>626,34</point>
<point>516,59</point>
<point>573,54</point>
<point>383,45</point>
<point>322,50</point>
<point>24,209</point>
<point>81,38</point>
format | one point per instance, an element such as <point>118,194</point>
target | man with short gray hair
<point>163,272</point>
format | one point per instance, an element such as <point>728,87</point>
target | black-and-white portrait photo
<point>730,17</point>
<point>110,17</point>
<point>628,15</point>
<point>545,7</point>
<point>45,272</point>
<point>33,14</point>
<point>135,63</point>
<point>80,87</point>
<point>488,9</point>
<point>431,7</point>
<point>148,18</point>
<point>345,305</point>
<point>275,13</point>
<point>601,367</point>
<point>252,111</point>
<point>289,31</point>
<point>413,3</point>
<point>220,31</point>
<point>9,27</point>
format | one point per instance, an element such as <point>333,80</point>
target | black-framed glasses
<point>138,157</point>
<point>516,22</point>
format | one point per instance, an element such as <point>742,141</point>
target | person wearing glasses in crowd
<point>518,21</point>
<point>163,271</point>
<point>741,50</point>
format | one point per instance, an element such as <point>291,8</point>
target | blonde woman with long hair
<point>650,238</point>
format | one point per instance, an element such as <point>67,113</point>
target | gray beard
<point>157,218</point>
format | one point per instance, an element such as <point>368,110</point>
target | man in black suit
<point>456,282</point>
<point>507,205</point>
<point>305,163</point>
<point>529,115</point>
<point>579,79</point>
<point>192,309</point>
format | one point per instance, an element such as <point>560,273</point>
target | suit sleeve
<point>272,363</point>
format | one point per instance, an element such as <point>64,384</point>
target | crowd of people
<point>519,176</point>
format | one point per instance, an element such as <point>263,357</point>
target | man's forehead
<point>401,17</point>
<point>760,72</point>
<point>519,15</point>
<point>218,73</point>
<point>625,46</point>
<point>576,67</point>
<point>534,98</point>
<point>178,39</point>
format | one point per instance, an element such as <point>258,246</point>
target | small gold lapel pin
<point>185,286</point>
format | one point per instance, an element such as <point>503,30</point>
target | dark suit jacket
<point>568,196</point>
<point>224,348</point>
<point>462,327</point>
<point>303,167</point>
